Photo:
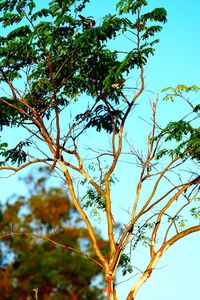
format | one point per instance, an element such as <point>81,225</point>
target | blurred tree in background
<point>28,262</point>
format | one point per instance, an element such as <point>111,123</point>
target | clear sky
<point>176,61</point>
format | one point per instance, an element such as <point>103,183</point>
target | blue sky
<point>176,61</point>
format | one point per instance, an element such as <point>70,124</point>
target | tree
<point>46,215</point>
<point>65,82</point>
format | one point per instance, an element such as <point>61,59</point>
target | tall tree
<point>63,79</point>
<point>31,264</point>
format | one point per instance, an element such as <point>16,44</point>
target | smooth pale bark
<point>137,285</point>
<point>147,273</point>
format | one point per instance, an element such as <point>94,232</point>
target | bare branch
<point>16,169</point>
<point>46,238</point>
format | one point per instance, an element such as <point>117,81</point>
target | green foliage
<point>100,118</point>
<point>188,137</point>
<point>58,53</point>
<point>176,130</point>
<point>92,197</point>
<point>197,108</point>
<point>178,91</point>
<point>3,146</point>
<point>195,212</point>
<point>130,6</point>
<point>183,132</point>
<point>158,15</point>
<point>125,264</point>
<point>15,155</point>
<point>182,224</point>
<point>179,221</point>
<point>9,116</point>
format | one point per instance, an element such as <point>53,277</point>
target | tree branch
<point>46,238</point>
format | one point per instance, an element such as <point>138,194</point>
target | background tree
<point>63,79</point>
<point>31,261</point>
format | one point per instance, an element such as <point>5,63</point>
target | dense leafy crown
<point>57,54</point>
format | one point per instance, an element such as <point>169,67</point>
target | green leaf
<point>3,146</point>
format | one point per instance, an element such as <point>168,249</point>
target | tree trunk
<point>111,291</point>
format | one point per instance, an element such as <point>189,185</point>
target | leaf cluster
<point>17,154</point>
<point>182,132</point>
<point>188,138</point>
<point>125,264</point>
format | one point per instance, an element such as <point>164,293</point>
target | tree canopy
<point>70,88</point>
